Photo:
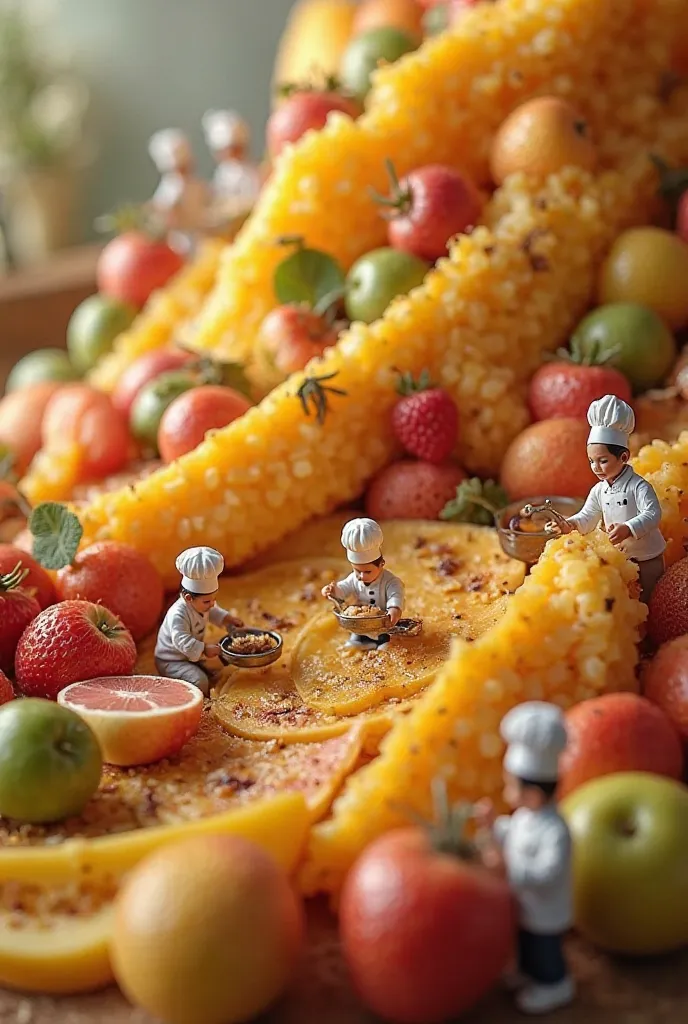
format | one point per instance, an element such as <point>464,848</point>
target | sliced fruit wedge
<point>137,719</point>
<point>58,942</point>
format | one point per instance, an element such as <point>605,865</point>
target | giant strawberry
<point>68,642</point>
<point>425,419</point>
<point>6,691</point>
<point>17,609</point>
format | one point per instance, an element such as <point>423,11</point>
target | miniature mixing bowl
<point>527,547</point>
<point>230,657</point>
<point>364,625</point>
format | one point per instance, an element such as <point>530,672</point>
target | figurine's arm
<point>182,640</point>
<point>344,588</point>
<point>221,617</point>
<point>546,864</point>
<point>590,515</point>
<point>395,599</point>
<point>649,511</point>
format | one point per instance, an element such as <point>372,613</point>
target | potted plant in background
<point>44,147</point>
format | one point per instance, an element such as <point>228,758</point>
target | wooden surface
<point>643,992</point>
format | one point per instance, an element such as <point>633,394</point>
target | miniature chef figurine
<point>181,641</point>
<point>533,845</point>
<point>623,500</point>
<point>369,582</point>
<point>237,180</point>
<point>181,200</point>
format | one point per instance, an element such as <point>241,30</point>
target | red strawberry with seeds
<point>428,207</point>
<point>425,420</point>
<point>412,490</point>
<point>566,387</point>
<point>18,608</point>
<point>6,691</point>
<point>69,642</point>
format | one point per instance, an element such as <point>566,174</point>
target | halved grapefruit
<point>137,719</point>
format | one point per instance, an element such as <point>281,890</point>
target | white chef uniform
<point>536,846</point>
<point>362,539</point>
<point>237,181</point>
<point>181,641</point>
<point>181,199</point>
<point>628,499</point>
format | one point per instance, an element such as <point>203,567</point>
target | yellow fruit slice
<point>63,949</point>
<point>314,39</point>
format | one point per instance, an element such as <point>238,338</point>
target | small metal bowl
<point>230,657</point>
<point>527,547</point>
<point>364,625</point>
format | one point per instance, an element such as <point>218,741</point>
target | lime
<point>41,365</point>
<point>50,761</point>
<point>93,327</point>
<point>365,52</point>
<point>632,338</point>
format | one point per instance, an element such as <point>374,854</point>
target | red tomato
<point>21,418</point>
<point>682,217</point>
<point>435,203</point>
<point>189,417</point>
<point>81,415</point>
<point>301,112</point>
<point>425,934</point>
<point>132,266</point>
<point>292,335</point>
<point>144,369</point>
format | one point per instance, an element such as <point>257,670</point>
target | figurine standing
<point>237,180</point>
<point>182,199</point>
<point>624,501</point>
<point>533,847</point>
<point>181,645</point>
<point>369,583</point>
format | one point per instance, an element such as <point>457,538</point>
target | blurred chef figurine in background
<point>532,847</point>
<point>369,583</point>
<point>182,200</point>
<point>237,180</point>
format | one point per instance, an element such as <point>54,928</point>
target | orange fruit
<point>668,610</point>
<point>665,682</point>
<point>549,458</point>
<point>21,419</point>
<point>206,931</point>
<point>406,15</point>
<point>648,266</point>
<point>137,719</point>
<point>539,138</point>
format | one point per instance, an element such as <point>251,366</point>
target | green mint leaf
<point>56,533</point>
<point>475,502</point>
<point>307,276</point>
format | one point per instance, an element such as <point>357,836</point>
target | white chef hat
<point>535,734</point>
<point>168,147</point>
<point>362,539</point>
<point>224,128</point>
<point>611,421</point>
<point>200,568</point>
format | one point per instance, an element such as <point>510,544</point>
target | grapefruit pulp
<point>137,719</point>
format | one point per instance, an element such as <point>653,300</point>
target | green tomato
<point>93,327</point>
<point>364,53</point>
<point>152,401</point>
<point>50,761</point>
<point>377,278</point>
<point>42,365</point>
<point>632,338</point>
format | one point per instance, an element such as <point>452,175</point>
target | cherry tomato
<point>292,335</point>
<point>434,204</point>
<point>132,266</point>
<point>81,415</point>
<point>303,111</point>
<point>425,934</point>
<point>144,369</point>
<point>186,421</point>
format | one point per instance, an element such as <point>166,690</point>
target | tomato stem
<point>13,579</point>
<point>399,201</point>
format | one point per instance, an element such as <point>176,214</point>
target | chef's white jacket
<point>182,634</point>
<point>386,592</point>
<point>239,180</point>
<point>537,852</point>
<point>629,499</point>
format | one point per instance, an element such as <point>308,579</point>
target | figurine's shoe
<point>362,643</point>
<point>543,998</point>
<point>383,641</point>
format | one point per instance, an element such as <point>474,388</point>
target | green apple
<point>377,278</point>
<point>153,399</point>
<point>38,366</point>
<point>93,327</point>
<point>50,761</point>
<point>630,862</point>
<point>366,51</point>
<point>632,338</point>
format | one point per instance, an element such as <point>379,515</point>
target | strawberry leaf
<point>307,276</point>
<point>475,502</point>
<point>56,533</point>
<point>408,385</point>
